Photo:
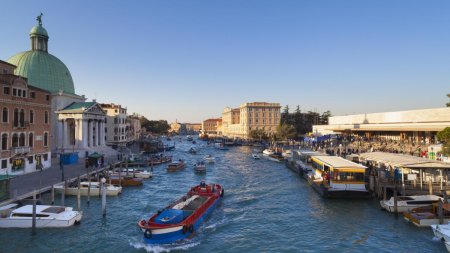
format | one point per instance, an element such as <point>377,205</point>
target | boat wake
<point>185,245</point>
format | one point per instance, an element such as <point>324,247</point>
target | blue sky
<point>187,60</point>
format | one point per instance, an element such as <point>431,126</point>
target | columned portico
<point>81,128</point>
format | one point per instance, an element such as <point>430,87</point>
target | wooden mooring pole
<point>33,222</point>
<point>89,189</point>
<point>395,200</point>
<point>79,194</point>
<point>63,193</point>
<point>53,194</point>
<point>103,197</point>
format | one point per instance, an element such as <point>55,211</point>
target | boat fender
<point>148,234</point>
<point>191,228</point>
<point>221,194</point>
<point>185,229</point>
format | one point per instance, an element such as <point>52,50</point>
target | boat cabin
<point>336,171</point>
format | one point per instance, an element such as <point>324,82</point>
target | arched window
<point>46,117</point>
<point>31,140</point>
<point>4,141</point>
<point>22,140</point>
<point>5,115</point>
<point>31,116</point>
<point>45,139</point>
<point>22,117</point>
<point>15,140</point>
<point>16,118</point>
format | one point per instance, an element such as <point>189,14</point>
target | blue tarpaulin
<point>170,216</point>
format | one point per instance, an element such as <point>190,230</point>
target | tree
<point>323,120</point>
<point>286,131</point>
<point>444,137</point>
<point>448,104</point>
<point>258,134</point>
<point>155,126</point>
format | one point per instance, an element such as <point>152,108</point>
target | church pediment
<point>95,109</point>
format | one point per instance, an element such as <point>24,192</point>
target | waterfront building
<point>239,122</point>
<point>25,127</point>
<point>134,127</point>
<point>81,128</point>
<point>414,126</point>
<point>212,127</point>
<point>177,128</point>
<point>192,128</point>
<point>45,71</point>
<point>116,124</point>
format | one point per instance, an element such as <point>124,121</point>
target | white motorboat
<point>209,159</point>
<point>447,245</point>
<point>255,156</point>
<point>268,152</point>
<point>136,172</point>
<point>46,216</point>
<point>111,190</point>
<point>200,167</point>
<point>287,153</point>
<point>442,231</point>
<point>407,203</point>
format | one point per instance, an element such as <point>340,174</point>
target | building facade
<point>134,128</point>
<point>212,127</point>
<point>240,122</point>
<point>193,128</point>
<point>412,126</point>
<point>25,127</point>
<point>81,128</point>
<point>116,124</point>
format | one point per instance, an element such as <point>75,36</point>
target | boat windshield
<point>54,209</point>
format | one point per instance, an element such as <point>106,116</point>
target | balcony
<point>20,150</point>
<point>21,125</point>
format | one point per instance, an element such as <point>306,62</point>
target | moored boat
<point>407,203</point>
<point>139,173</point>
<point>442,231</point>
<point>72,189</point>
<point>125,180</point>
<point>182,218</point>
<point>268,151</point>
<point>46,216</point>
<point>276,157</point>
<point>156,160</point>
<point>175,166</point>
<point>335,177</point>
<point>255,156</point>
<point>428,215</point>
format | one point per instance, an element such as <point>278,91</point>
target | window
<point>45,157</point>
<point>46,117</point>
<point>4,164</point>
<point>4,141</point>
<point>30,159</point>
<point>16,118</point>
<point>31,116</point>
<point>5,115</point>
<point>22,118</point>
<point>15,140</point>
<point>22,140</point>
<point>19,93</point>
<point>31,140</point>
<point>14,92</point>
<point>45,142</point>
<point>32,94</point>
<point>6,90</point>
<point>24,93</point>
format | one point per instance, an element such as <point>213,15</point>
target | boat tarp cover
<point>170,216</point>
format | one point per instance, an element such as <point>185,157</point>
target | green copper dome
<point>43,70</point>
<point>38,30</point>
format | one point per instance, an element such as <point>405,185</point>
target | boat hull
<point>340,194</point>
<point>26,222</point>
<point>175,234</point>
<point>84,192</point>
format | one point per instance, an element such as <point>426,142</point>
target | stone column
<point>99,133</point>
<point>91,133</point>
<point>94,131</point>
<point>65,140</point>
<point>77,133</point>
<point>60,134</point>
<point>84,135</point>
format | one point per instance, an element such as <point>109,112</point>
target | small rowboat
<point>159,160</point>
<point>125,180</point>
<point>182,218</point>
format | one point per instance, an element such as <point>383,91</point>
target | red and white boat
<point>182,218</point>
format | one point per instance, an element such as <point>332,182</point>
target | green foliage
<point>155,126</point>
<point>286,131</point>
<point>258,135</point>
<point>444,137</point>
<point>448,104</point>
<point>303,122</point>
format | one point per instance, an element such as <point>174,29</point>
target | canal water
<point>266,208</point>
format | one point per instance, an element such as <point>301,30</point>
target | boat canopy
<point>170,216</point>
<point>336,162</point>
